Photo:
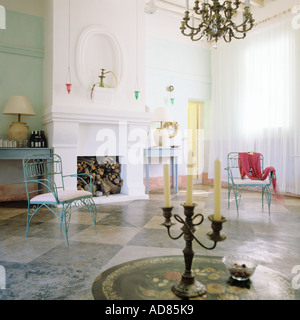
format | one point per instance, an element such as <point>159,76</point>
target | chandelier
<point>216,21</point>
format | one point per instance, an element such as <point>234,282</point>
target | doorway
<point>195,136</point>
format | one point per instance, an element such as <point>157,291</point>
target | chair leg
<point>30,214</point>
<point>237,196</point>
<point>65,219</point>
<point>262,197</point>
<point>229,190</point>
<point>90,205</point>
<point>269,198</point>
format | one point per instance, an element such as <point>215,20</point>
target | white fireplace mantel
<point>73,132</point>
<point>96,115</point>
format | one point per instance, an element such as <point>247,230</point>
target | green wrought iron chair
<point>44,181</point>
<point>237,184</point>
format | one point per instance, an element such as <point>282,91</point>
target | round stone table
<point>153,278</point>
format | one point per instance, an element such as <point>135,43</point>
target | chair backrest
<point>233,163</point>
<point>42,166</point>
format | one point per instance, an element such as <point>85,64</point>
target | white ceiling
<point>181,3</point>
<point>261,9</point>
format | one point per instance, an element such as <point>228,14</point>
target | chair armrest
<point>80,175</point>
<point>49,184</point>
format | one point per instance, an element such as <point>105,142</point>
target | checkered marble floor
<point>43,267</point>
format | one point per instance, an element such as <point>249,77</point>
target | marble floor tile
<point>43,267</point>
<point>139,252</point>
<point>106,234</point>
<point>24,250</point>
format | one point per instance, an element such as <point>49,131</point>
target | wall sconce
<point>171,90</point>
<point>2,18</point>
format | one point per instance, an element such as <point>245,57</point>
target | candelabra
<point>188,286</point>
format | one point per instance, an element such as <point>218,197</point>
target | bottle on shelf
<point>32,139</point>
<point>38,139</point>
<point>43,140</point>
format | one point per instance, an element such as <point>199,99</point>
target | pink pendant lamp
<point>68,80</point>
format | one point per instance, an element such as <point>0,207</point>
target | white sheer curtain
<point>255,105</point>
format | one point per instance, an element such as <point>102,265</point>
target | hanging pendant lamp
<point>137,92</point>
<point>68,79</point>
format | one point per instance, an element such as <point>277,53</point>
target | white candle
<point>187,5</point>
<point>189,183</point>
<point>217,191</point>
<point>167,186</point>
<point>246,3</point>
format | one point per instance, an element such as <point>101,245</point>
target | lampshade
<point>161,135</point>
<point>162,114</point>
<point>19,105</point>
<point>2,18</point>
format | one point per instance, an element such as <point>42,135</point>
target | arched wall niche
<point>98,49</point>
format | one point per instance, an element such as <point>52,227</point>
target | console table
<point>19,153</point>
<point>156,152</point>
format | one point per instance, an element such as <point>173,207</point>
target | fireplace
<point>99,132</point>
<point>106,173</point>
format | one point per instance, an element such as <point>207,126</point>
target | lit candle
<point>189,183</point>
<point>167,186</point>
<point>217,191</point>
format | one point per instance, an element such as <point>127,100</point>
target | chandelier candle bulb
<point>189,184</point>
<point>167,185</point>
<point>217,190</point>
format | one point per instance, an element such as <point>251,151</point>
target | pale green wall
<point>188,68</point>
<point>21,65</point>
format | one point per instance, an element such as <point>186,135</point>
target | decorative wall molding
<point>97,37</point>
<point>22,51</point>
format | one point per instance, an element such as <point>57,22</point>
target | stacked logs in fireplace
<point>106,171</point>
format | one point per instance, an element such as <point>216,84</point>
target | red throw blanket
<point>250,166</point>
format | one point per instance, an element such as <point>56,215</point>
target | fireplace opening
<point>106,171</point>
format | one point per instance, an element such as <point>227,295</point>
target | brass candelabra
<point>188,286</point>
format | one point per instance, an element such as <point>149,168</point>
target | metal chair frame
<point>238,185</point>
<point>40,171</point>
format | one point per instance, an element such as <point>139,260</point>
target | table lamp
<point>161,135</point>
<point>19,105</point>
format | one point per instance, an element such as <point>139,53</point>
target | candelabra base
<point>189,288</point>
